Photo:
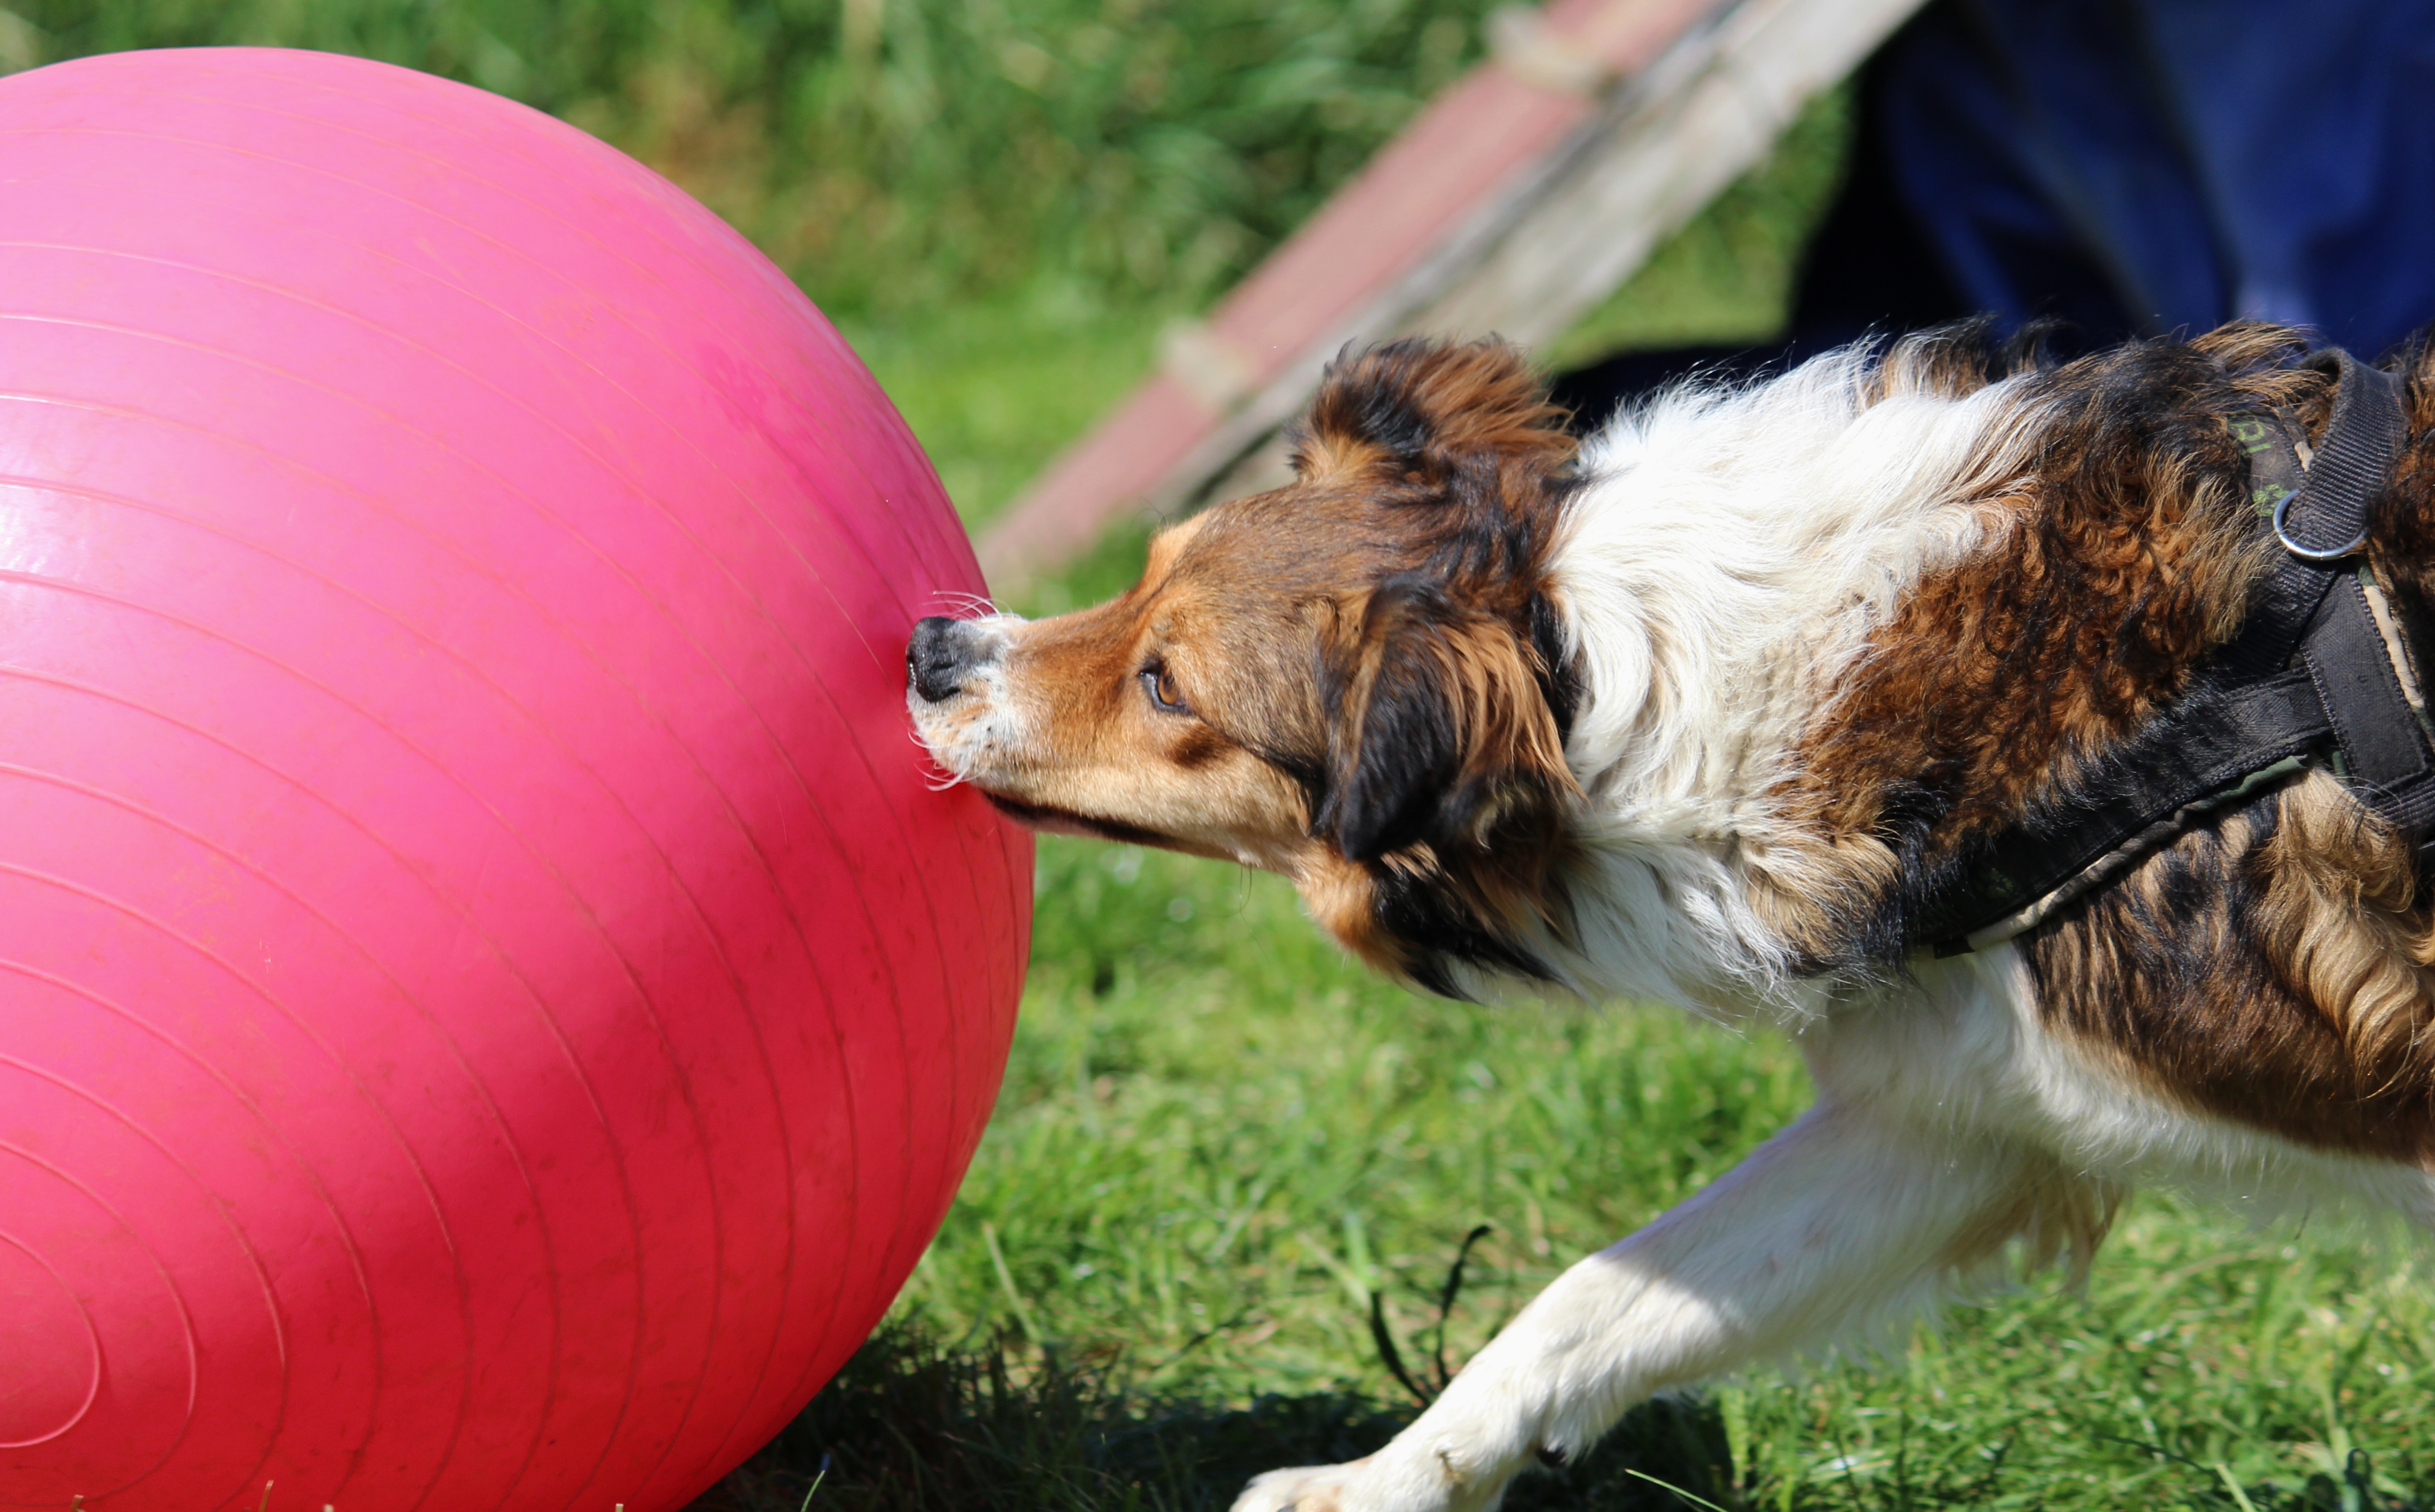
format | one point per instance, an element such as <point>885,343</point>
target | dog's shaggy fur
<point>1705,711</point>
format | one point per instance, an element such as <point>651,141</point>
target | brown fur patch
<point>1437,733</point>
<point>2402,527</point>
<point>2261,970</point>
<point>1445,773</point>
<point>2121,557</point>
<point>2274,970</point>
<point>2273,967</point>
<point>1423,411</point>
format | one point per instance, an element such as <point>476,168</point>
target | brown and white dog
<point>1690,711</point>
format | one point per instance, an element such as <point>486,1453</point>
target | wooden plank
<point>1655,161</point>
<point>1525,194</point>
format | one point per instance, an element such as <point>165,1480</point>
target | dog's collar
<point>2312,673</point>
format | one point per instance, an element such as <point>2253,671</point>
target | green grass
<point>994,387</point>
<point>895,154</point>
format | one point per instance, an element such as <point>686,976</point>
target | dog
<point>1699,709</point>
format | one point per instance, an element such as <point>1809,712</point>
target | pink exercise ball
<point>490,1008</point>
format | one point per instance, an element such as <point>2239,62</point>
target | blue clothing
<point>2150,165</point>
<point>2135,167</point>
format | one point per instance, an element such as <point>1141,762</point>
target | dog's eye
<point>1163,691</point>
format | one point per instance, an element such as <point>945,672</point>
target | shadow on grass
<point>910,1426</point>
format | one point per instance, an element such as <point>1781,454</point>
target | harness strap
<point>2320,516</point>
<point>2385,756</point>
<point>2315,601</point>
<point>2250,715</point>
<point>2383,745</point>
<point>2154,786</point>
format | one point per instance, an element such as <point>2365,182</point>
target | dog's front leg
<point>1823,1230</point>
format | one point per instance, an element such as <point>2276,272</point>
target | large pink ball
<point>490,1009</point>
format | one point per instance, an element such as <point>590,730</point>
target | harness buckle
<point>2283,507</point>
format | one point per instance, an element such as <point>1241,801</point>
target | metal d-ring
<point>2282,508</point>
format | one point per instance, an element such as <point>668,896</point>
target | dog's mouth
<point>1065,821</point>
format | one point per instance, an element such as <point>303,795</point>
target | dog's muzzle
<point>940,655</point>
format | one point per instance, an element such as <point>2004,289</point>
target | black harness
<point>2312,673</point>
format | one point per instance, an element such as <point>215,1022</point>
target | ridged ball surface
<point>490,1008</point>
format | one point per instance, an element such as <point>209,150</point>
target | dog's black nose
<point>937,657</point>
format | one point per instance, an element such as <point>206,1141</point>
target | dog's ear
<point>1437,729</point>
<point>1423,408</point>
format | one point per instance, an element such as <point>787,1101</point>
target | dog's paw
<point>1305,1488</point>
<point>1382,1483</point>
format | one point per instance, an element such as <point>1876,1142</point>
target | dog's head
<point>1358,681</point>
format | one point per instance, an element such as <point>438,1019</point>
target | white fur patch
<point>971,730</point>
<point>1720,574</point>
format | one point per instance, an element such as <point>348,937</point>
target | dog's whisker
<point>967,606</point>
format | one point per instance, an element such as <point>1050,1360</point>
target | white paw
<point>1304,1488</point>
<point>1363,1486</point>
